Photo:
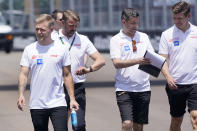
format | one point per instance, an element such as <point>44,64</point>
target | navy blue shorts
<point>134,106</point>
<point>179,98</point>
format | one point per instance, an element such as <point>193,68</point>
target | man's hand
<point>74,104</point>
<point>82,71</point>
<point>21,102</point>
<point>143,61</point>
<point>171,83</point>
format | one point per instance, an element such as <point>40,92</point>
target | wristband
<point>91,70</point>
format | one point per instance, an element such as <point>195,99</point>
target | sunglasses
<point>134,46</point>
<point>60,19</point>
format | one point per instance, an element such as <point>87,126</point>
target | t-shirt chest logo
<point>175,41</point>
<point>77,44</point>
<point>39,58</point>
<point>193,36</point>
<point>126,48</point>
<point>39,61</point>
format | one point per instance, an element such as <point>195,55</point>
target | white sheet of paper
<point>156,59</point>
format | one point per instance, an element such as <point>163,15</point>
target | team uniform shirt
<point>130,79</point>
<point>81,46</point>
<point>54,35</point>
<point>181,48</point>
<point>45,64</point>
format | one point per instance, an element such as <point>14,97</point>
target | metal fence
<point>100,19</point>
<point>96,15</point>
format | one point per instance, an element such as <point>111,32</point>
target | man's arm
<point>85,59</point>
<point>22,82</point>
<point>169,78</point>
<point>97,64</point>
<point>118,63</point>
<point>68,81</point>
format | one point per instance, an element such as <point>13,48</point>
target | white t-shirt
<point>181,49</point>
<point>131,78</point>
<point>45,64</point>
<point>54,35</point>
<point>81,46</point>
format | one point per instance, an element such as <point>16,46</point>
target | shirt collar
<point>61,34</point>
<point>188,30</point>
<point>123,35</point>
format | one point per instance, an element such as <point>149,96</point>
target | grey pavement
<point>102,112</point>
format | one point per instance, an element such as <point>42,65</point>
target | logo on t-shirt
<point>34,57</point>
<point>39,61</point>
<point>78,44</point>
<point>176,43</point>
<point>127,48</point>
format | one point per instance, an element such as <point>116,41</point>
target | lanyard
<point>71,42</point>
<point>61,38</point>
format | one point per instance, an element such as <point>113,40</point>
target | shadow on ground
<point>88,85</point>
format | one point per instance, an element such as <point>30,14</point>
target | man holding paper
<point>127,49</point>
<point>179,45</point>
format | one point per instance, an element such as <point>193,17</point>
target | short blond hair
<point>45,17</point>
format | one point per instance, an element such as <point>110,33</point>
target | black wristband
<point>91,70</point>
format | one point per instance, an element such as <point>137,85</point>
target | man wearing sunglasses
<point>57,16</point>
<point>127,49</point>
<point>179,45</point>
<point>79,46</point>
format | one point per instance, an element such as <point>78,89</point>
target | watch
<point>91,70</point>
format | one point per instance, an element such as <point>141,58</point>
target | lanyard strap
<point>71,42</point>
<point>60,38</point>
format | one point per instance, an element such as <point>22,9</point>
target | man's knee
<point>137,127</point>
<point>193,116</point>
<point>176,121</point>
<point>127,125</point>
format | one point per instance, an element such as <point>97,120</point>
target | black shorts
<point>134,106</point>
<point>178,98</point>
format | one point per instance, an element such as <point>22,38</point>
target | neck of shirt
<point>129,35</point>
<point>186,28</point>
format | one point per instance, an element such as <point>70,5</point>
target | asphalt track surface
<point>102,112</point>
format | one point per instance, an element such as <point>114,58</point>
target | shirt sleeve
<point>24,59</point>
<point>90,47</point>
<point>66,58</point>
<point>114,48</point>
<point>163,46</point>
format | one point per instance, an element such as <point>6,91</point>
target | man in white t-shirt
<point>179,45</point>
<point>127,49</point>
<point>48,63</point>
<point>79,45</point>
<point>57,16</point>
